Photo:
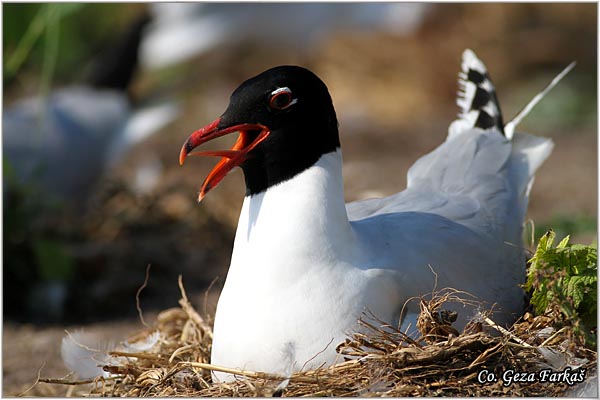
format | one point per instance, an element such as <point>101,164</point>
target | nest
<point>381,362</point>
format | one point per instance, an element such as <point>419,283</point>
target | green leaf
<point>564,278</point>
<point>52,261</point>
<point>574,289</point>
<point>563,243</point>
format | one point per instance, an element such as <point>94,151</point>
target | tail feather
<point>527,155</point>
<point>532,151</point>
<point>510,127</point>
<point>478,103</point>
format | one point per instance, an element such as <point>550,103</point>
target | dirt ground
<point>394,97</point>
<point>29,352</point>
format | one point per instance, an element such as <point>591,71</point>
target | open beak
<point>250,136</point>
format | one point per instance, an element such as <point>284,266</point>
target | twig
<point>316,355</point>
<point>190,311</point>
<point>551,337</point>
<point>235,371</point>
<point>147,356</point>
<point>137,297</point>
<point>206,292</point>
<point>505,332</point>
<point>181,350</point>
<point>250,374</point>
<point>485,355</point>
<point>22,394</point>
<point>61,381</point>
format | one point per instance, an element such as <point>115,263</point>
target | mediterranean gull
<point>306,266</point>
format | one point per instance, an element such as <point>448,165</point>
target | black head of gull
<point>286,121</point>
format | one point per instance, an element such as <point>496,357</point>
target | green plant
<point>46,21</point>
<point>564,279</point>
<point>52,44</point>
<point>35,249</point>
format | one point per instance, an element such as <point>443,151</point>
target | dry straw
<point>381,361</point>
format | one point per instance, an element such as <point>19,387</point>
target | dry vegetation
<point>381,361</point>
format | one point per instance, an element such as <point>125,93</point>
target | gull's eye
<point>281,99</point>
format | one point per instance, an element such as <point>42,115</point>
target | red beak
<point>232,158</point>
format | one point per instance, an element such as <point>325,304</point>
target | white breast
<point>294,288</point>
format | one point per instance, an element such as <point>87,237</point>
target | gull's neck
<point>298,217</point>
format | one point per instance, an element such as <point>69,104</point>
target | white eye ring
<point>283,93</point>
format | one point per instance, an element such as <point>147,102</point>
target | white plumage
<point>292,294</point>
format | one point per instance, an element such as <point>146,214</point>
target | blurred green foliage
<point>31,252</point>
<point>564,225</point>
<point>53,262</point>
<point>69,33</point>
<point>572,107</point>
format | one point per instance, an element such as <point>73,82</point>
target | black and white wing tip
<point>476,98</point>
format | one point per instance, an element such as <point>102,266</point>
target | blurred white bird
<point>63,142</point>
<point>183,30</point>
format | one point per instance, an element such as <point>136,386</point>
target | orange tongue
<point>231,159</point>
